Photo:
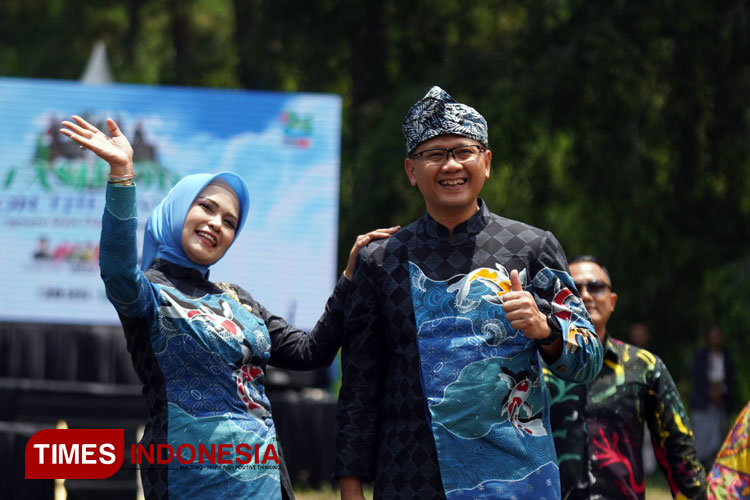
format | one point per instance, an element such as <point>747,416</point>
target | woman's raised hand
<point>115,150</point>
<point>362,240</point>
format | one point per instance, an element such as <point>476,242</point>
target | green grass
<point>657,487</point>
<point>320,494</point>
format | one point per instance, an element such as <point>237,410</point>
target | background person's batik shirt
<point>730,476</point>
<point>602,423</point>
<point>441,397</point>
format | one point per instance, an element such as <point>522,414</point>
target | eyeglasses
<point>438,156</point>
<point>595,287</point>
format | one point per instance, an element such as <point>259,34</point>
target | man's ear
<point>489,162</point>
<point>409,166</point>
<point>613,299</point>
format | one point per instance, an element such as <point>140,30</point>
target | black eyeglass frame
<point>449,151</point>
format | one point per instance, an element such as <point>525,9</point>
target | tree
<point>621,126</point>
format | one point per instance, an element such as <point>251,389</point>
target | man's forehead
<point>446,140</point>
<point>588,270</point>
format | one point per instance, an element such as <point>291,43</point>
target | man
<point>714,394</point>
<point>442,393</point>
<point>602,422</point>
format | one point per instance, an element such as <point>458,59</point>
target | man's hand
<point>351,488</point>
<point>522,312</point>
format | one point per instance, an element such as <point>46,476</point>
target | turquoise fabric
<point>484,386</point>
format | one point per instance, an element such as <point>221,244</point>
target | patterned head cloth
<point>163,236</point>
<point>437,113</point>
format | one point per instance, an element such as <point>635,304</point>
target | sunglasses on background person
<point>595,287</point>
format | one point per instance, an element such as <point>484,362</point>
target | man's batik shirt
<point>602,423</point>
<point>441,397</point>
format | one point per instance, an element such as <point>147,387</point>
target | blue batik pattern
<point>204,348</point>
<point>483,388</point>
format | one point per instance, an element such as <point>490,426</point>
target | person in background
<point>442,393</point>
<point>640,335</point>
<point>599,427</point>
<point>714,379</point>
<point>200,348</point>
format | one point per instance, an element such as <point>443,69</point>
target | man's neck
<point>602,337</point>
<point>452,218</point>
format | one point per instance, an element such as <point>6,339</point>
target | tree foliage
<point>620,126</point>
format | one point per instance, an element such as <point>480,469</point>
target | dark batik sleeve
<point>671,434</point>
<point>568,413</point>
<point>555,294</point>
<point>362,360</point>
<point>295,349</point>
<point>126,286</point>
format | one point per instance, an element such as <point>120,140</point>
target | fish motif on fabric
<point>220,320</point>
<point>234,342</point>
<point>482,381</point>
<point>520,385</point>
<point>497,280</point>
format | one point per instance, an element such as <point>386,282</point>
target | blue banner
<point>285,145</point>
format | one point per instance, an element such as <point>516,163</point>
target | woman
<point>200,347</point>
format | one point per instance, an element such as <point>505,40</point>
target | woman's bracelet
<point>121,180</point>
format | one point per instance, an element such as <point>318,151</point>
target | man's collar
<point>463,231</point>
<point>610,347</point>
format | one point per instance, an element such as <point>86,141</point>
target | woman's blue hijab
<point>163,236</point>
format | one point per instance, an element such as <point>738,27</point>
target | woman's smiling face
<point>210,224</point>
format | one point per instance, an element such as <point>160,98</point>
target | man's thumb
<point>515,282</point>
